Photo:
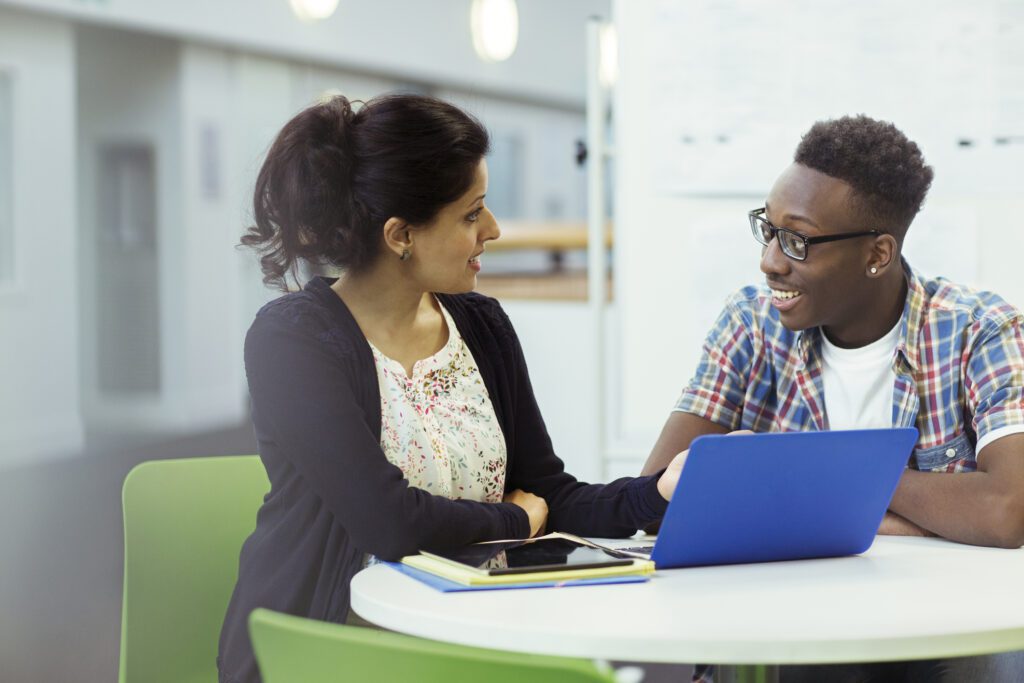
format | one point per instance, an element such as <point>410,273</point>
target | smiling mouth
<point>784,294</point>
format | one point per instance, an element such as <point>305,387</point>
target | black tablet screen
<point>552,554</point>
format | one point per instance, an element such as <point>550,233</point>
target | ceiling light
<point>495,27</point>
<point>313,10</point>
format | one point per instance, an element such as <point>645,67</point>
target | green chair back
<point>290,649</point>
<point>184,524</point>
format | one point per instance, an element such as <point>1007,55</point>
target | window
<point>128,302</point>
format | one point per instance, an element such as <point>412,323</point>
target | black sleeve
<point>610,510</point>
<point>305,401</point>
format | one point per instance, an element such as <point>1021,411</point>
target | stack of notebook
<point>553,560</point>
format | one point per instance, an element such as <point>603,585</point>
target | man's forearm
<point>679,430</point>
<point>971,507</point>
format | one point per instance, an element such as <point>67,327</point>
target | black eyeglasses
<point>794,245</point>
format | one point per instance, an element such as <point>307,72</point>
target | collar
<point>913,318</point>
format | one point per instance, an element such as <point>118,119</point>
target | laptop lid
<point>781,496</point>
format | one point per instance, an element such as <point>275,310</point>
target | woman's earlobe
<point>398,237</point>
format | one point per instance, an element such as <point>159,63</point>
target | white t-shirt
<point>859,385</point>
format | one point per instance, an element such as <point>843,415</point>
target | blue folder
<point>446,586</point>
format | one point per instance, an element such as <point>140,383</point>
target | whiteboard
<point>736,82</point>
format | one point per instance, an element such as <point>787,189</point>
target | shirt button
<point>950,452</point>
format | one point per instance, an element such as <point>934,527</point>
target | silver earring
<point>874,270</point>
<point>405,255</point>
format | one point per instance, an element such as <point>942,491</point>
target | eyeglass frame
<point>758,215</point>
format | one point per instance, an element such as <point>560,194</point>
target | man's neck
<point>888,301</point>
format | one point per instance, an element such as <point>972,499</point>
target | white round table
<point>906,598</point>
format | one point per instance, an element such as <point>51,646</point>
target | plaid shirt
<point>959,366</point>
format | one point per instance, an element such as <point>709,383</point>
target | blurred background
<point>131,132</point>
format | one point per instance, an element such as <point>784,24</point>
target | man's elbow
<point>1010,538</point>
<point>1008,525</point>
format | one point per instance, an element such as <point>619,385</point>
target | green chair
<point>290,649</point>
<point>184,524</point>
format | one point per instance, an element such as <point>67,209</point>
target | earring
<point>874,270</point>
<point>405,255</point>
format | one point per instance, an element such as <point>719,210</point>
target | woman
<point>392,407</point>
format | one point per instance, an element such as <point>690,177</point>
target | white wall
<point>425,41</point>
<point>677,257</point>
<point>559,350</point>
<point>203,298</point>
<point>39,309</point>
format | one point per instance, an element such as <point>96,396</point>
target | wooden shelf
<point>562,286</point>
<point>547,235</point>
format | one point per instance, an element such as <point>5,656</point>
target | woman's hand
<point>670,477</point>
<point>536,509</point>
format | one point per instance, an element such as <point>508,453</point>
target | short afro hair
<point>886,170</point>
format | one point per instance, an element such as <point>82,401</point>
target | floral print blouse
<point>438,426</point>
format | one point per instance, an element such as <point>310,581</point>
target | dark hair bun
<point>333,177</point>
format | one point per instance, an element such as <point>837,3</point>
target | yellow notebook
<point>555,557</point>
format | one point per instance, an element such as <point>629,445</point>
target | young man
<point>845,335</point>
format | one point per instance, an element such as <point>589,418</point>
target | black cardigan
<point>334,496</point>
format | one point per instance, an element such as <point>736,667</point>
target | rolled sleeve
<point>995,375</point>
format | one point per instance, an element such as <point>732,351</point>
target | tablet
<point>523,557</point>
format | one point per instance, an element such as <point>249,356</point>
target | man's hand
<point>894,525</point>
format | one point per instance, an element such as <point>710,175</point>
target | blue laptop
<point>783,496</point>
